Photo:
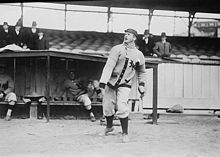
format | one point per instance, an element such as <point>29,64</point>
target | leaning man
<point>123,62</point>
<point>6,91</point>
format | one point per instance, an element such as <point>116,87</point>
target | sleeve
<point>46,44</point>
<point>141,72</point>
<point>170,48</point>
<point>10,86</point>
<point>109,66</point>
<point>155,49</point>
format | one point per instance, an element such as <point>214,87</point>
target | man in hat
<point>124,61</point>
<point>146,44</point>
<point>78,90</point>
<point>162,48</point>
<point>6,91</point>
<point>5,36</point>
<point>18,35</point>
<point>32,36</point>
<point>42,42</point>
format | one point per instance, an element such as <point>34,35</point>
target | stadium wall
<point>192,86</point>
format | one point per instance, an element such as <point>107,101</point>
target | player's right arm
<point>109,66</point>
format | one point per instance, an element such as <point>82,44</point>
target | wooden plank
<point>197,81</point>
<point>161,81</point>
<point>206,81</point>
<point>219,81</point>
<point>178,80</point>
<point>214,81</point>
<point>169,79</point>
<point>69,103</point>
<point>188,86</point>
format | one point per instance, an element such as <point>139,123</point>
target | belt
<point>117,86</point>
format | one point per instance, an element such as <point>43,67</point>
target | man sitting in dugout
<point>79,91</point>
<point>6,91</point>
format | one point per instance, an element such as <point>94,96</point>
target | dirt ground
<point>174,136</point>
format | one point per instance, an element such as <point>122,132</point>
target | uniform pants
<point>11,97</point>
<point>116,99</point>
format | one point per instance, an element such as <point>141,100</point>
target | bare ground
<point>174,136</point>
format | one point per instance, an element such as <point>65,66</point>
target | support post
<point>108,19</point>
<point>48,88</point>
<point>151,11</point>
<point>191,17</point>
<point>155,92</point>
<point>14,70</point>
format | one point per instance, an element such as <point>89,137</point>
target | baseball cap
<point>130,30</point>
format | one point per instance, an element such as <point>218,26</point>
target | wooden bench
<point>33,111</point>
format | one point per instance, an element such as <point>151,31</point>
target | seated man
<point>6,91</point>
<point>79,92</point>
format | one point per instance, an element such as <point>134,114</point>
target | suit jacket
<point>18,39</point>
<point>162,49</point>
<point>42,44</point>
<point>5,38</point>
<point>31,39</point>
<point>146,49</point>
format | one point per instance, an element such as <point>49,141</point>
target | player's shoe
<point>92,118</point>
<point>8,118</point>
<point>108,130</point>
<point>125,138</point>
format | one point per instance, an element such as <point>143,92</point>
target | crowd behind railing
<point>26,38</point>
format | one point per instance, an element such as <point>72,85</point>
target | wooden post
<point>108,19</point>
<point>48,87</point>
<point>33,110</point>
<point>14,70</point>
<point>155,92</point>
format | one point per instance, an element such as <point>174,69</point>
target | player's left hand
<point>1,95</point>
<point>141,90</point>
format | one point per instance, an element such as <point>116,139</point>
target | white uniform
<point>7,86</point>
<point>117,74</point>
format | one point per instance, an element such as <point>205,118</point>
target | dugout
<point>41,72</point>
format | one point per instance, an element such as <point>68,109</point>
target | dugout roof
<point>209,6</point>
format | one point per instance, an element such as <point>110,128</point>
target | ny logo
<point>132,65</point>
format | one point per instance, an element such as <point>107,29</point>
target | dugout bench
<point>47,55</point>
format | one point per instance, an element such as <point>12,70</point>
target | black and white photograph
<point>110,78</point>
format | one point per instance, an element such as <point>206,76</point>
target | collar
<point>129,46</point>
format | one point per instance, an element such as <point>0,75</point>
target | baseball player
<point>6,91</point>
<point>123,62</point>
<point>79,92</point>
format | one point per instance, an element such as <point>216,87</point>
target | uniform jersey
<point>6,83</point>
<point>121,66</point>
<point>75,87</point>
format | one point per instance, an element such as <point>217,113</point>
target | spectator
<point>18,35</point>
<point>146,44</point>
<point>32,36</point>
<point>6,91</point>
<point>5,37</point>
<point>42,42</point>
<point>79,92</point>
<point>162,48</point>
